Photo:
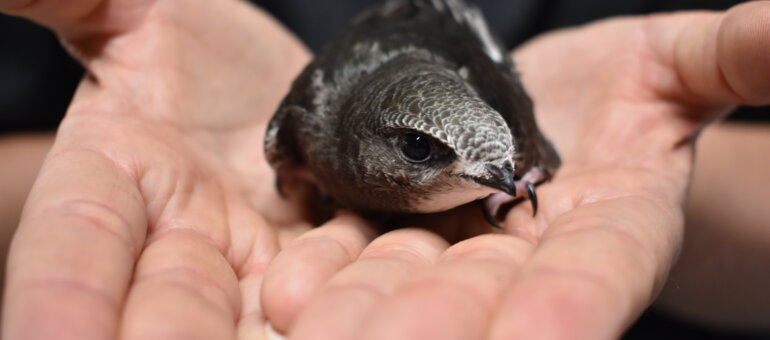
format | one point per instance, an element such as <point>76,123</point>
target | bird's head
<point>419,139</point>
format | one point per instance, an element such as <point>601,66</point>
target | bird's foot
<point>498,204</point>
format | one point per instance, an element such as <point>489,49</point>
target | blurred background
<point>38,78</point>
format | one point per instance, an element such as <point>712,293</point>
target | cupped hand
<point>623,100</point>
<point>154,215</point>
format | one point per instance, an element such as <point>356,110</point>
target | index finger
<point>72,258</point>
<point>595,270</point>
<point>78,17</point>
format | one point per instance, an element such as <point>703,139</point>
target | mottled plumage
<point>407,77</point>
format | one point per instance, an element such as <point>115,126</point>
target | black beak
<point>501,178</point>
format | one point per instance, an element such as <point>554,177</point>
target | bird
<point>415,108</point>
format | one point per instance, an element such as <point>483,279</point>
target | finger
<point>184,288</point>
<point>250,231</point>
<point>72,258</point>
<point>22,156</point>
<point>596,269</point>
<point>185,284</point>
<point>742,49</point>
<point>252,322</point>
<point>361,287</point>
<point>51,13</point>
<point>456,299</point>
<point>298,271</point>
<point>78,17</point>
<point>720,58</point>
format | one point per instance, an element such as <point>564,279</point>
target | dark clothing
<point>37,78</point>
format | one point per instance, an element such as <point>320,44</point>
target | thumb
<point>720,59</point>
<point>79,19</point>
<point>743,49</point>
<point>72,258</point>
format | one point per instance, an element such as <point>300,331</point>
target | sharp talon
<point>532,197</point>
<point>488,216</point>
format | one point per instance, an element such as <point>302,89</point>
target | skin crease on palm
<point>155,215</point>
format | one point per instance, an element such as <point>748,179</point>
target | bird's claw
<point>532,197</point>
<point>490,217</point>
<point>491,205</point>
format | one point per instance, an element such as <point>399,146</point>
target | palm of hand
<point>141,148</point>
<point>164,209</point>
<point>622,100</point>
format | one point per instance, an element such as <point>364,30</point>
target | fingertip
<point>298,271</point>
<point>350,223</point>
<point>361,288</point>
<point>287,287</point>
<point>743,44</point>
<point>496,247</point>
<point>54,14</point>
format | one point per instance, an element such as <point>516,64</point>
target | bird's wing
<point>451,30</point>
<point>499,85</point>
<point>491,71</point>
<point>281,149</point>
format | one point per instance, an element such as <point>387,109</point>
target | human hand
<point>22,155</point>
<point>720,279</point>
<point>622,100</point>
<point>155,215</point>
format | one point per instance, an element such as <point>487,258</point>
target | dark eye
<point>415,147</point>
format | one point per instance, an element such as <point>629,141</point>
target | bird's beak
<point>501,178</point>
<point>504,179</point>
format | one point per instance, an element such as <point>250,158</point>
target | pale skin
<point>155,216</point>
<point>22,155</point>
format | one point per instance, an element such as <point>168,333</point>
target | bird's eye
<point>415,147</point>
